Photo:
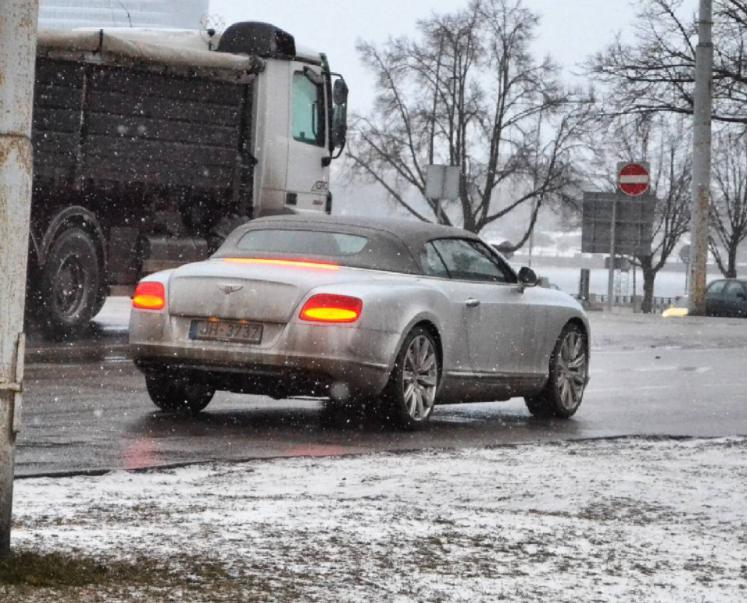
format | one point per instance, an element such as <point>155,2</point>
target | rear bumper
<point>294,359</point>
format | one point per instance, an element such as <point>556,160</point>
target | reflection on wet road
<point>97,416</point>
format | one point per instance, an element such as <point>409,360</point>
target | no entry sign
<point>633,179</point>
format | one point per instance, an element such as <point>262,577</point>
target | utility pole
<point>17,59</point>
<point>701,185</point>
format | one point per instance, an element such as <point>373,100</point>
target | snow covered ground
<point>607,520</point>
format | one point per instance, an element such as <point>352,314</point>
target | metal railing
<point>658,303</point>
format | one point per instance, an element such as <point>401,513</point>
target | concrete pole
<point>701,185</point>
<point>17,59</point>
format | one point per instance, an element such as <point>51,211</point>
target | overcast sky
<point>569,30</point>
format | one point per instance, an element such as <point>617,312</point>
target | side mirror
<point>339,127</point>
<point>340,92</point>
<point>339,116</point>
<point>527,277</point>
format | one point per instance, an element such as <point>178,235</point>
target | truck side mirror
<point>340,92</point>
<point>339,115</point>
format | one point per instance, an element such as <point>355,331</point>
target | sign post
<point>685,259</point>
<point>619,222</point>
<point>632,181</point>
<point>611,271</point>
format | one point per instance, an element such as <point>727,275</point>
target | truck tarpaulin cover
<point>176,48</point>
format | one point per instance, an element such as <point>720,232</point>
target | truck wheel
<point>71,283</point>
<point>178,393</point>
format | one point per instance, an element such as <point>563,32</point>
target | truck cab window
<point>308,110</point>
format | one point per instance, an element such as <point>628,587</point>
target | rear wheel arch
<point>433,330</point>
<point>429,324</point>
<point>73,217</point>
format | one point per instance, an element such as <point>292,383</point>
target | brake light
<point>326,307</point>
<point>286,263</point>
<point>149,296</point>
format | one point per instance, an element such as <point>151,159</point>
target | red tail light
<point>326,307</point>
<point>149,296</point>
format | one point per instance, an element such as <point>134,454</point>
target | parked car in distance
<point>727,297</point>
<point>398,315</point>
<point>724,297</point>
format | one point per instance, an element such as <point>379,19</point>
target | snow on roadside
<point>594,521</point>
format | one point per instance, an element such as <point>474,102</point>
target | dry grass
<point>28,576</point>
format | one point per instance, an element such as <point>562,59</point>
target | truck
<point>151,146</point>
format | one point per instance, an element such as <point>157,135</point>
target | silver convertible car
<point>396,315</point>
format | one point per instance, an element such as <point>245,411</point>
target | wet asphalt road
<point>649,377</point>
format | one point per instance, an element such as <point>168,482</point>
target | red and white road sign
<point>633,179</point>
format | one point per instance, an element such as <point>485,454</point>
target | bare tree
<point>671,161</point>
<point>729,202</point>
<point>468,93</point>
<point>656,72</point>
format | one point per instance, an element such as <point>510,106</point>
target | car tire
<point>569,370</point>
<point>410,394</point>
<point>71,284</point>
<point>176,393</point>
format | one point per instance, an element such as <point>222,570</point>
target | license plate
<point>226,330</point>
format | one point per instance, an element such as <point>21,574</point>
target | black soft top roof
<point>394,245</point>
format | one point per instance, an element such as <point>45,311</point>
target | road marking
<point>677,386</point>
<point>654,369</point>
<point>629,388</point>
<point>662,350</point>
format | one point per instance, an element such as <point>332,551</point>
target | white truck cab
<point>300,113</point>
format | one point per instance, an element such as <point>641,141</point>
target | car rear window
<point>302,242</point>
<point>373,249</point>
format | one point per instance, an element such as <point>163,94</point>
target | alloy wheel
<point>420,378</point>
<point>572,369</point>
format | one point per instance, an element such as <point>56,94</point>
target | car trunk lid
<point>266,290</point>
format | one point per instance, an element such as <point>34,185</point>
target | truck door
<point>308,178</point>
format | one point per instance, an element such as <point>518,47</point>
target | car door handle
<point>472,302</point>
